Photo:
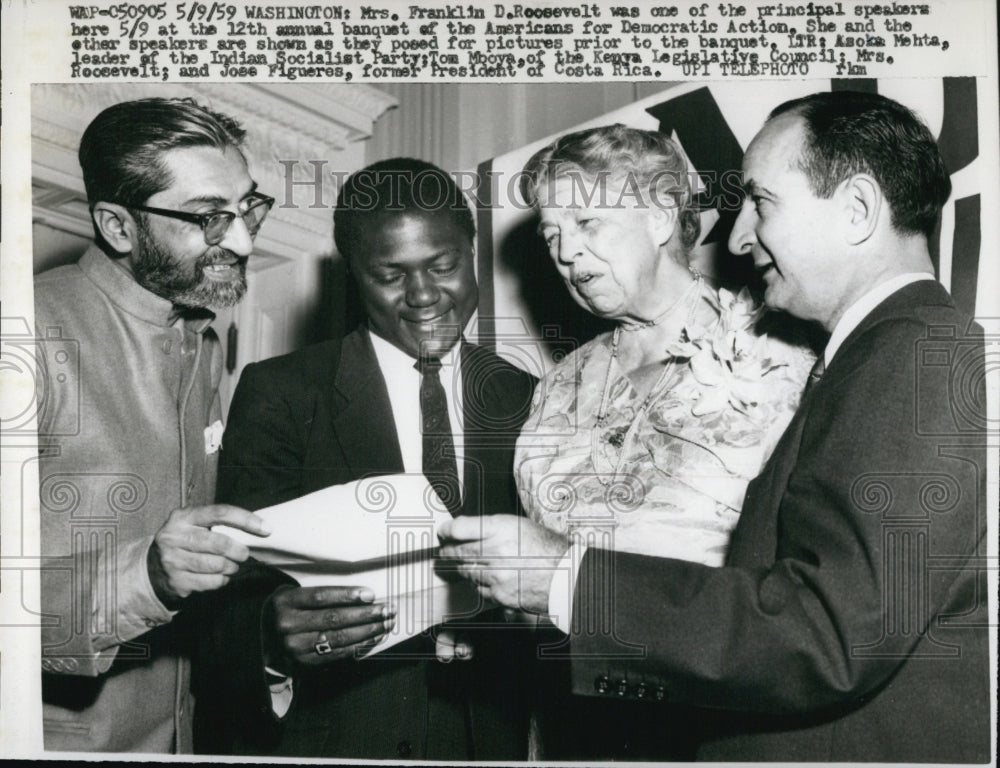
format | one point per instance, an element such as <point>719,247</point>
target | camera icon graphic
<point>531,352</point>
<point>956,360</point>
<point>41,376</point>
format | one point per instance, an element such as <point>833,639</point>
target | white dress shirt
<point>402,381</point>
<point>564,581</point>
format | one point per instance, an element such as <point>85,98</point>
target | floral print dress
<point>663,474</point>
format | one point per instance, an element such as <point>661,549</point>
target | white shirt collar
<point>860,309</point>
<point>392,358</point>
<point>402,383</point>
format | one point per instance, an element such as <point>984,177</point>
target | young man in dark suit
<point>347,409</point>
<point>850,620</point>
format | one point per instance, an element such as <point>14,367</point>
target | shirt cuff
<point>281,691</point>
<point>563,584</point>
<point>137,609</point>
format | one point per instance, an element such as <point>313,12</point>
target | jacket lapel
<point>473,399</point>
<point>905,301</point>
<point>362,424</point>
<point>755,537</point>
<point>362,420</point>
<point>491,425</point>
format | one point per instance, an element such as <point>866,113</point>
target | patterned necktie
<point>816,373</point>
<point>439,463</point>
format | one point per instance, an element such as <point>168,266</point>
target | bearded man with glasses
<point>129,420</point>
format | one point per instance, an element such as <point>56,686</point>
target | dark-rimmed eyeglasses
<point>215,224</point>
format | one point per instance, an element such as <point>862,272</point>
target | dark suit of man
<point>851,625</point>
<point>322,416</point>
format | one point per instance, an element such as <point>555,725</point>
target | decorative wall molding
<point>356,106</point>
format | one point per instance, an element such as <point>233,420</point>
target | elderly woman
<point>645,438</point>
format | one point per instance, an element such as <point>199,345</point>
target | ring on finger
<point>322,646</point>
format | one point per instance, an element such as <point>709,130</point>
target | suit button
<point>622,688</point>
<point>403,749</point>
<point>640,691</point>
<point>661,693</point>
<point>602,684</point>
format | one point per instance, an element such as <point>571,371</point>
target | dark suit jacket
<point>319,417</point>
<point>849,623</point>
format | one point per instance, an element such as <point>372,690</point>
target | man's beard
<point>187,285</point>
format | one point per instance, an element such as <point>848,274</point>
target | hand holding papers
<point>511,559</point>
<point>377,534</point>
<point>312,626</point>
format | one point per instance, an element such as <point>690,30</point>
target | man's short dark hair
<point>121,152</point>
<point>852,132</point>
<point>398,185</point>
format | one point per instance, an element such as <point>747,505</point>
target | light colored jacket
<point>128,393</point>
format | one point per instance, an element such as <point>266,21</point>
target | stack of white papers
<point>379,533</point>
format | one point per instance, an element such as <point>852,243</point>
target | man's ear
<point>864,204</point>
<point>116,225</point>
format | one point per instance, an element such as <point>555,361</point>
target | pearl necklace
<point>620,437</point>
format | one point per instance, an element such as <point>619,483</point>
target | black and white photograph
<point>500,383</point>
